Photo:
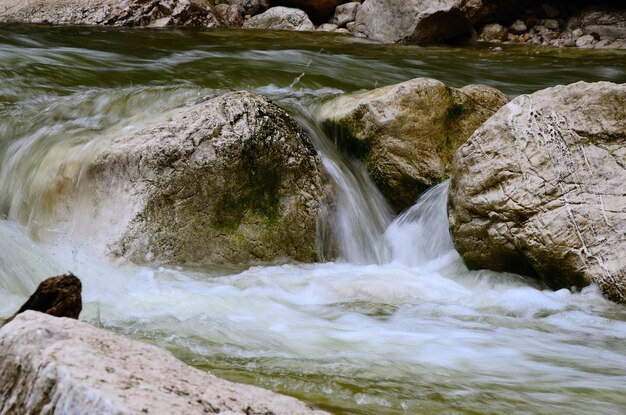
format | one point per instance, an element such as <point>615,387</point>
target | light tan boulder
<point>539,189</point>
<point>280,18</point>
<point>423,21</point>
<point>406,134</point>
<point>61,366</point>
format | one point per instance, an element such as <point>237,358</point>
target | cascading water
<point>398,326</point>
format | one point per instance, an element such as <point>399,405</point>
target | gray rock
<point>493,32</point>
<point>198,13</point>
<point>539,189</point>
<point>232,179</point>
<point>602,23</point>
<point>62,366</point>
<point>346,13</point>
<point>586,40</point>
<point>350,27</point>
<point>420,21</point>
<point>405,134</point>
<point>518,27</point>
<point>411,21</point>
<point>281,18</point>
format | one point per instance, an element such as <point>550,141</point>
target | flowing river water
<point>397,325</point>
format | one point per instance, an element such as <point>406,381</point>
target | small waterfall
<point>354,229</point>
<point>421,233</point>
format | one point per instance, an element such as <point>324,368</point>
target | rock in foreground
<point>58,296</point>
<point>62,366</point>
<point>539,189</point>
<point>232,179</point>
<point>406,134</point>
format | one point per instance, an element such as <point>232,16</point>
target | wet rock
<point>231,179</point>
<point>58,296</point>
<point>518,27</point>
<point>350,27</point>
<point>197,13</point>
<point>318,10</point>
<point>281,18</point>
<point>346,13</point>
<point>539,189</point>
<point>405,134</point>
<point>493,32</point>
<point>62,366</point>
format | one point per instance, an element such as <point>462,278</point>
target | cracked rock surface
<point>52,365</point>
<point>539,189</point>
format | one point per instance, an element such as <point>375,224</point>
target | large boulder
<point>232,179</point>
<point>281,18</point>
<point>199,13</point>
<point>539,189</point>
<point>422,21</point>
<point>406,134</point>
<point>61,366</point>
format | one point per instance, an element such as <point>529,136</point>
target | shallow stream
<point>397,325</point>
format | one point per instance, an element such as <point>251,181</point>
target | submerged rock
<point>63,366</point>
<point>406,134</point>
<point>58,296</point>
<point>160,13</point>
<point>232,179</point>
<point>281,18</point>
<point>539,189</point>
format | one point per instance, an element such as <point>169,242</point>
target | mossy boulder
<point>406,134</point>
<point>232,179</point>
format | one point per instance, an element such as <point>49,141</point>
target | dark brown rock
<point>58,296</point>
